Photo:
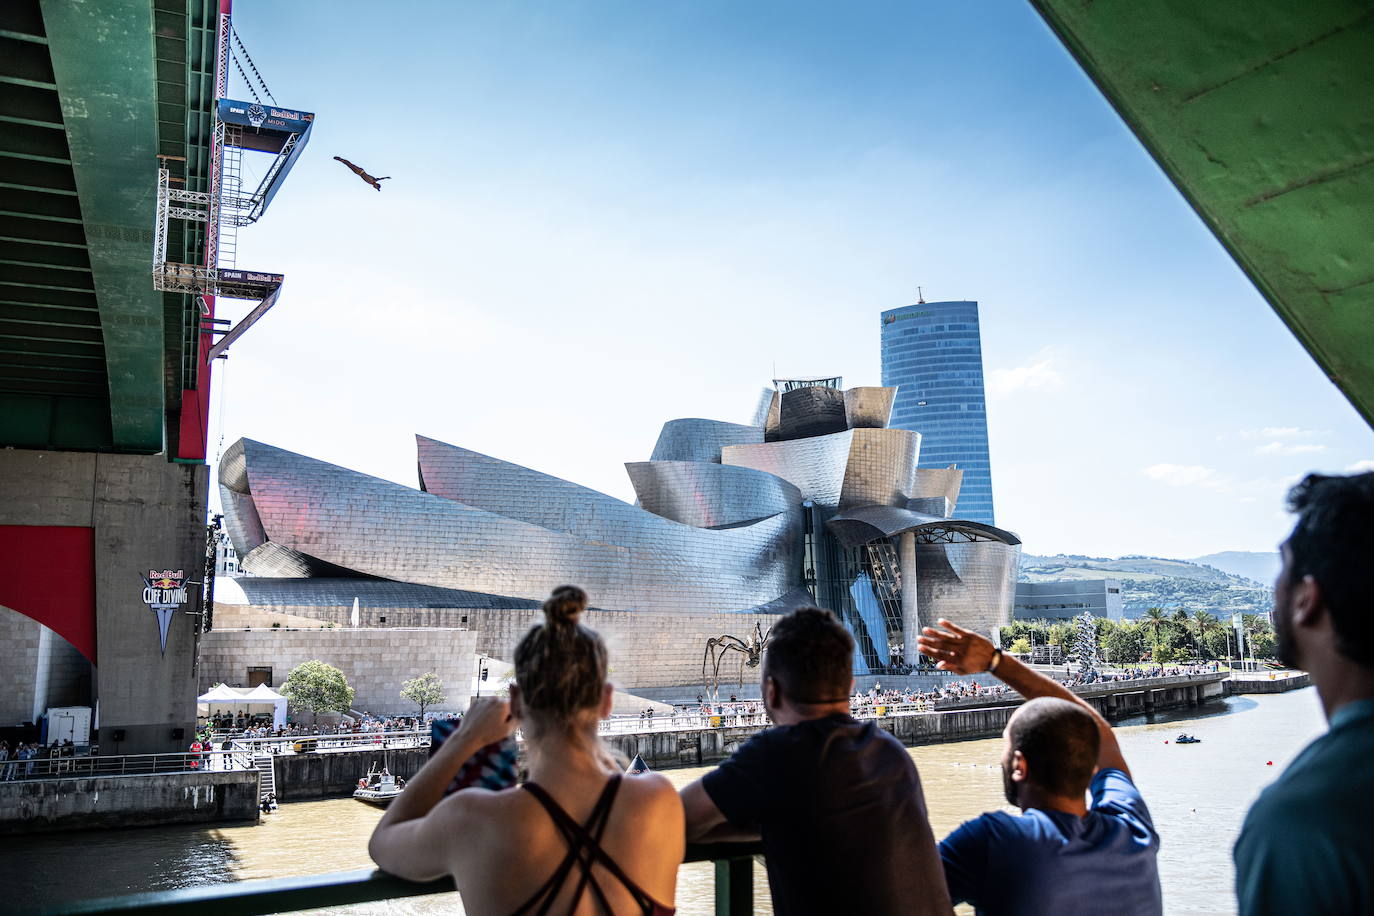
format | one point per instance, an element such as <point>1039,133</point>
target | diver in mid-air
<point>359,171</point>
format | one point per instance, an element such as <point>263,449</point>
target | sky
<point>605,215</point>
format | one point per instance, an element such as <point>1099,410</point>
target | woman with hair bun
<point>579,837</point>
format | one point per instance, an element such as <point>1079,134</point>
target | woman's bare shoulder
<point>476,804</point>
<point>653,794</point>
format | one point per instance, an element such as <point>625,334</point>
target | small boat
<point>378,787</point>
<point>1187,739</point>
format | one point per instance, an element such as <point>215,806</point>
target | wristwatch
<point>996,660</point>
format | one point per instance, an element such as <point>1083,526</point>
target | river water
<point>1198,795</point>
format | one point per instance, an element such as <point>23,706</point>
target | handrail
<point>734,890</point>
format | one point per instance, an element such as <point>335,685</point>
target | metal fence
<point>734,891</point>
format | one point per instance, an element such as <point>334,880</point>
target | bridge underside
<point>91,357</point>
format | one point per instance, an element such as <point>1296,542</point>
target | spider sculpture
<point>718,647</point>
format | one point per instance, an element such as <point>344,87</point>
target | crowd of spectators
<point>21,760</point>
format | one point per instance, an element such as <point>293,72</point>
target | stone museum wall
<point>375,661</point>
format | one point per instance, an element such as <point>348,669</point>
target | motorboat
<point>1187,739</point>
<point>378,787</point>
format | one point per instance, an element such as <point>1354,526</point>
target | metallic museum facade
<point>819,502</point>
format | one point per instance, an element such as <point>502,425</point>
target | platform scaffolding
<point>279,132</point>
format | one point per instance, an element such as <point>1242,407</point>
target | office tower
<point>933,355</point>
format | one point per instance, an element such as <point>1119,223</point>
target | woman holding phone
<point>579,837</point>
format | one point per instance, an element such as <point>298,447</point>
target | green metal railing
<point>734,890</point>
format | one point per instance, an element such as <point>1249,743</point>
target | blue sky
<point>606,215</point>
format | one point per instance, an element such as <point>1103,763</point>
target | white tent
<point>264,694</point>
<point>237,700</point>
<point>220,694</point>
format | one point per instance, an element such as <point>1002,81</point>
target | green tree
<point>1203,624</point>
<point>1153,619</point>
<point>1215,642</point>
<point>1019,646</point>
<point>1123,644</point>
<point>317,687</point>
<point>1062,635</point>
<point>424,691</point>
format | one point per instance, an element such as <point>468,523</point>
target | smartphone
<point>492,767</point>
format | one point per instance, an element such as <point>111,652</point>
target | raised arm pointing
<point>966,652</point>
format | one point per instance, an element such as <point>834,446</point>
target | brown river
<point>1198,795</point>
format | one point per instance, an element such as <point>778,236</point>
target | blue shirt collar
<point>1352,712</point>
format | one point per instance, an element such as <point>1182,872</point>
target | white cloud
<point>1284,432</point>
<point>1289,448</point>
<point>1185,475</point>
<point>1360,466</point>
<point>1040,374</point>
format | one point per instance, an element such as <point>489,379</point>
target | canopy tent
<point>238,700</point>
<point>264,694</point>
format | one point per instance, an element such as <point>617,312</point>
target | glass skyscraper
<point>933,354</point>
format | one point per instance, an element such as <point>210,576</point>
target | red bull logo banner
<point>164,591</point>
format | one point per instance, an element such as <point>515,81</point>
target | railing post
<point>735,886</point>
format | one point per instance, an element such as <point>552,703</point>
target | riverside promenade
<point>700,740</point>
<point>226,785</point>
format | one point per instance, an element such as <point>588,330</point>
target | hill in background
<point>1260,566</point>
<point>1159,582</point>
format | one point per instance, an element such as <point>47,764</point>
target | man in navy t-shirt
<point>1062,853</point>
<point>837,803</point>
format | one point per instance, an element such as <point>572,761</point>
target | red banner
<point>48,573</point>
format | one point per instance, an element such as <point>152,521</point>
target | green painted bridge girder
<point>103,65</point>
<point>1262,113</point>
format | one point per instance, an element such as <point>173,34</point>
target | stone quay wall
<point>1278,684</point>
<point>333,774</point>
<point>980,717</point>
<point>86,802</point>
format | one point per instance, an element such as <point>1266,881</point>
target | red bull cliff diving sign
<point>164,591</point>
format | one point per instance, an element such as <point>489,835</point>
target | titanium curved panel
<point>865,523</point>
<point>938,482</point>
<point>241,520</point>
<point>380,528</point>
<point>518,492</point>
<point>338,594</point>
<point>707,495</point>
<point>811,411</point>
<point>695,439</point>
<point>972,584</point>
<point>868,408</point>
<point>273,560</point>
<point>763,407</point>
<point>816,466</point>
<point>881,469</point>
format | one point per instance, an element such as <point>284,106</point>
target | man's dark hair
<point>1060,741</point>
<point>1333,542</point>
<point>811,656</point>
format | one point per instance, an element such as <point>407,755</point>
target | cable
<point>248,57</point>
<point>223,392</point>
<point>246,81</point>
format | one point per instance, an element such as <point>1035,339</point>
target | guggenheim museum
<point>817,502</point>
